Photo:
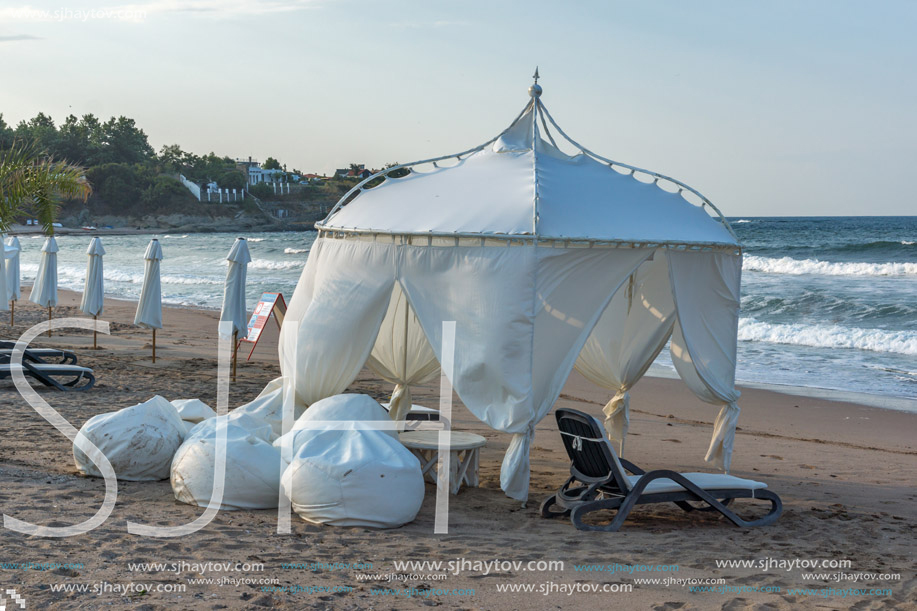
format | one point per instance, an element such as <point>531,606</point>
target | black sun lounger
<point>37,355</point>
<point>61,377</point>
<point>599,480</point>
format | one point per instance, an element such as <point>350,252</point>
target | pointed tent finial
<point>535,89</point>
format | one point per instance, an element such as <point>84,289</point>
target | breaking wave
<point>829,336</point>
<point>787,265</point>
<point>295,251</point>
<point>267,264</point>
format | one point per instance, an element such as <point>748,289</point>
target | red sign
<point>270,303</point>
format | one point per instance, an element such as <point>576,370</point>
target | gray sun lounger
<point>37,355</point>
<point>61,377</point>
<point>599,480</point>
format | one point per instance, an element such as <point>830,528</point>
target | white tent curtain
<point>402,355</point>
<point>94,288</point>
<point>12,250</point>
<point>706,288</point>
<point>572,288</point>
<point>342,305</point>
<point>149,308</point>
<point>233,308</point>
<point>44,290</point>
<point>630,334</point>
<point>522,314</point>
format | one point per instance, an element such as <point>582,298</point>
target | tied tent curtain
<point>705,335</point>
<point>402,355</point>
<point>629,336</point>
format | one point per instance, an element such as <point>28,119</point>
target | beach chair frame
<point>38,355</point>
<point>49,374</point>
<point>598,481</point>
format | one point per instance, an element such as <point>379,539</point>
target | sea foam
<point>796,267</point>
<point>268,264</point>
<point>829,336</point>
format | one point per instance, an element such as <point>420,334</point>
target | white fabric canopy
<point>12,250</point>
<point>44,290</point>
<point>630,334</point>
<point>94,287</point>
<point>233,308</point>
<point>149,308</point>
<point>492,192</point>
<point>524,248</point>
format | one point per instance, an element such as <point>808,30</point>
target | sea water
<point>827,302</point>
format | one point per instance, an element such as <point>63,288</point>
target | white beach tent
<point>94,288</point>
<point>233,308</point>
<point>535,254</point>
<point>149,308</point>
<point>44,289</point>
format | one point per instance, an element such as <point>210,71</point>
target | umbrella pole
<point>235,352</point>
<point>12,311</point>
<point>49,320</point>
<point>154,345</point>
<point>95,332</point>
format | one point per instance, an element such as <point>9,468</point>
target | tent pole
<point>154,344</point>
<point>95,332</point>
<point>49,320</point>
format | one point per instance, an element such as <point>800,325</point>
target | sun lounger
<point>599,480</point>
<point>37,355</point>
<point>62,377</point>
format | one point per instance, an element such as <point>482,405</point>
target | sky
<point>767,108</point>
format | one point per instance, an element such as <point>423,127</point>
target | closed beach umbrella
<point>149,309</point>
<point>11,255</point>
<point>4,294</point>
<point>44,289</point>
<point>234,293</point>
<point>94,288</point>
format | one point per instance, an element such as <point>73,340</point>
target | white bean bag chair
<point>252,465</point>
<point>193,410</point>
<point>139,441</point>
<point>256,426</point>
<point>354,478</point>
<point>268,406</point>
<point>347,408</point>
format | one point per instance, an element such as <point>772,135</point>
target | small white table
<point>464,456</point>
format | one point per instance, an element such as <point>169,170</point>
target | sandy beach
<point>845,472</point>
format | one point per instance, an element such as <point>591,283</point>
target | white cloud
<point>18,37</point>
<point>140,11</point>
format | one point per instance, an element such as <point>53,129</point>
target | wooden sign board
<point>270,303</point>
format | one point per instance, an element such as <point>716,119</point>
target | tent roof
<point>520,184</point>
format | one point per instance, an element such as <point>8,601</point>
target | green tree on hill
<point>271,164</point>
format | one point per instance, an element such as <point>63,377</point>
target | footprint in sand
<point>774,456</point>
